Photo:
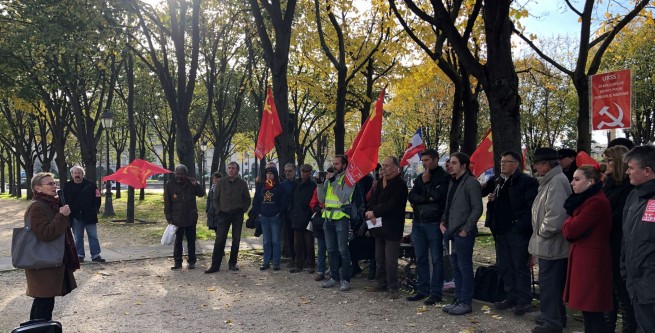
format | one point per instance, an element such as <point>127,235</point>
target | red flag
<point>584,159</point>
<point>524,157</point>
<point>365,154</point>
<point>136,173</point>
<point>269,128</point>
<point>358,137</point>
<point>483,157</point>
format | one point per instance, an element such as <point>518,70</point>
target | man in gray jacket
<point>547,242</point>
<point>231,200</point>
<point>638,249</point>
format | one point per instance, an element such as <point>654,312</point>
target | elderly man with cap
<point>547,242</point>
<point>567,162</point>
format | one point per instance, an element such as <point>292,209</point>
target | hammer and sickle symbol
<point>616,121</point>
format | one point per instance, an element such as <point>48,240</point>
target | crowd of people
<point>590,229</point>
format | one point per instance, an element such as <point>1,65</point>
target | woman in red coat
<point>588,277</point>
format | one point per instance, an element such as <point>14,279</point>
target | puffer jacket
<point>548,216</point>
<point>638,248</point>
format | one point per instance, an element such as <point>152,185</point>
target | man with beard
<point>83,197</point>
<point>181,210</point>
<point>337,197</point>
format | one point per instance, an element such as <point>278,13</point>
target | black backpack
<point>489,287</point>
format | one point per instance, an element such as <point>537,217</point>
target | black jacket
<point>299,211</point>
<point>522,191</point>
<point>389,204</point>
<point>84,207</point>
<point>638,246</point>
<point>429,199</point>
<point>616,194</point>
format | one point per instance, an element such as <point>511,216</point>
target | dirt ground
<point>146,296</point>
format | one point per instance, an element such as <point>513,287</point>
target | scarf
<point>52,202</point>
<point>575,200</point>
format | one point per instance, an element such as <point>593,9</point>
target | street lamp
<point>203,148</point>
<point>107,121</point>
<point>244,170</point>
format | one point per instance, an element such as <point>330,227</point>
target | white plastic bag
<point>168,238</point>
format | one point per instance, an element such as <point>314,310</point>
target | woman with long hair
<point>588,287</point>
<point>617,187</point>
<point>48,222</point>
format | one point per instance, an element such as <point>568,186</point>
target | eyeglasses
<point>49,184</point>
<point>505,162</point>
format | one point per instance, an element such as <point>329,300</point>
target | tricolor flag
<point>414,148</point>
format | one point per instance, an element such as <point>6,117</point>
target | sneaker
<point>460,309</point>
<point>319,277</point>
<point>448,307</point>
<point>295,270</point>
<point>394,294</point>
<point>96,259</point>
<point>264,267</point>
<point>330,283</point>
<point>504,305</point>
<point>432,300</point>
<point>539,320</point>
<point>546,329</point>
<point>521,309</point>
<point>416,297</point>
<point>345,286</point>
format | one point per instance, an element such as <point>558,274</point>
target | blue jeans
<point>92,232</point>
<point>336,240</point>
<point>321,256</point>
<point>427,237</point>
<point>461,261</point>
<point>271,227</point>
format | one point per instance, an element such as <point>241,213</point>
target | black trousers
<point>622,302</point>
<point>303,244</point>
<point>42,308</point>
<point>552,277</point>
<point>513,262</point>
<point>190,233</point>
<point>594,322</point>
<point>222,229</point>
<point>645,314</point>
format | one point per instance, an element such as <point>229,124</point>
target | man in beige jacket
<point>547,242</point>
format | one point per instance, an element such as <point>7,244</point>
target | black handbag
<point>29,252</point>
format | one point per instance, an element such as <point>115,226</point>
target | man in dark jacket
<point>567,162</point>
<point>231,200</point>
<point>428,199</point>
<point>509,216</point>
<point>387,206</point>
<point>83,198</point>
<point>299,216</point>
<point>181,210</point>
<point>287,231</point>
<point>638,249</point>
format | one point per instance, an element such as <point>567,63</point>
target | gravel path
<point>146,296</point>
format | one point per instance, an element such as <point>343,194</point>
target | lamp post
<point>203,148</point>
<point>246,169</point>
<point>107,121</point>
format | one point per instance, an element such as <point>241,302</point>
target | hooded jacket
<point>269,202</point>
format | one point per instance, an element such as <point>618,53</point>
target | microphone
<point>60,194</point>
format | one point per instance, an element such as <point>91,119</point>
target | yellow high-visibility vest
<point>333,205</point>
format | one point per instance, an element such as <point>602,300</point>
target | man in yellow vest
<point>336,196</point>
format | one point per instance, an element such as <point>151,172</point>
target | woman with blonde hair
<point>48,221</point>
<point>616,188</point>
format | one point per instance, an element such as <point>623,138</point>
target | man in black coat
<point>299,216</point>
<point>83,197</point>
<point>181,210</point>
<point>509,216</point>
<point>388,204</point>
